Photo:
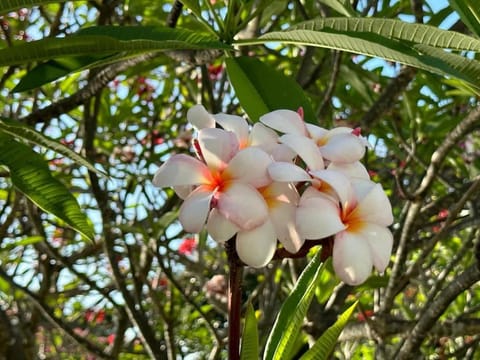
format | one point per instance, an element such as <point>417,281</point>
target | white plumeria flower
<point>257,135</point>
<point>257,246</point>
<point>365,212</point>
<point>226,179</point>
<point>341,144</point>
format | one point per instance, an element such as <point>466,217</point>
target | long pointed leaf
<point>324,346</point>
<point>25,133</point>
<point>292,314</point>
<point>109,40</point>
<point>31,175</point>
<point>384,39</point>
<point>249,349</point>
<point>261,88</point>
<point>394,29</point>
<point>341,6</point>
<point>469,13</point>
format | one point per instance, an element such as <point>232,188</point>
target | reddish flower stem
<point>234,300</point>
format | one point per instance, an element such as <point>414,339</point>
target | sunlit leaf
<point>31,175</point>
<point>469,13</point>
<point>34,137</point>
<point>324,346</point>
<point>289,321</point>
<point>109,40</point>
<point>341,6</point>
<point>249,349</point>
<point>262,89</point>
<point>417,45</point>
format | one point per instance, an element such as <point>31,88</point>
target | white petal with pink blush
<point>318,217</point>
<point>200,118</point>
<point>219,228</point>
<point>352,258</point>
<point>285,121</point>
<point>243,205</point>
<point>217,147</point>
<point>181,170</point>
<point>343,148</point>
<point>256,247</point>
<point>287,172</point>
<point>250,166</point>
<point>373,204</point>
<point>380,240</point>
<point>235,124</point>
<point>306,149</point>
<point>194,210</point>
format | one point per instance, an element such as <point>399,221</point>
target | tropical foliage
<point>94,98</point>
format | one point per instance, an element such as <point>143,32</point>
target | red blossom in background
<point>187,246</point>
<point>364,315</point>
<point>215,71</point>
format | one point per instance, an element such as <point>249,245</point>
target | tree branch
<point>435,310</point>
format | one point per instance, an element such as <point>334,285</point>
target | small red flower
<point>364,315</point>
<point>215,71</point>
<point>443,214</point>
<point>100,316</point>
<point>187,246</point>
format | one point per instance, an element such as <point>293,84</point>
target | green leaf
<point>53,70</point>
<point>341,6</point>
<point>27,134</point>
<point>416,45</point>
<point>261,89</point>
<point>9,5</point>
<point>249,348</point>
<point>31,175</point>
<point>324,346</point>
<point>109,40</point>
<point>393,29</point>
<point>290,319</point>
<point>469,14</point>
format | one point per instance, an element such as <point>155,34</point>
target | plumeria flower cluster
<point>284,181</point>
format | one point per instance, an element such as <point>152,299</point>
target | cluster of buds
<point>282,182</point>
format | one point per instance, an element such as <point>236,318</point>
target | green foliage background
<point>93,98</point>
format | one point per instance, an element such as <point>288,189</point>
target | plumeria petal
<point>195,209</point>
<point>217,147</point>
<point>285,121</point>
<point>282,152</point>
<point>318,217</point>
<point>373,204</point>
<point>250,166</point>
<point>183,191</point>
<point>338,182</point>
<point>219,228</point>
<point>282,216</point>
<point>256,247</point>
<point>235,124</point>
<point>243,205</point>
<point>285,171</point>
<point>352,170</point>
<point>200,118</point>
<point>352,260</point>
<point>380,240</point>
<point>306,149</point>
<point>263,137</point>
<point>181,170</point>
<point>282,199</point>
<point>343,148</point>
<point>316,132</point>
